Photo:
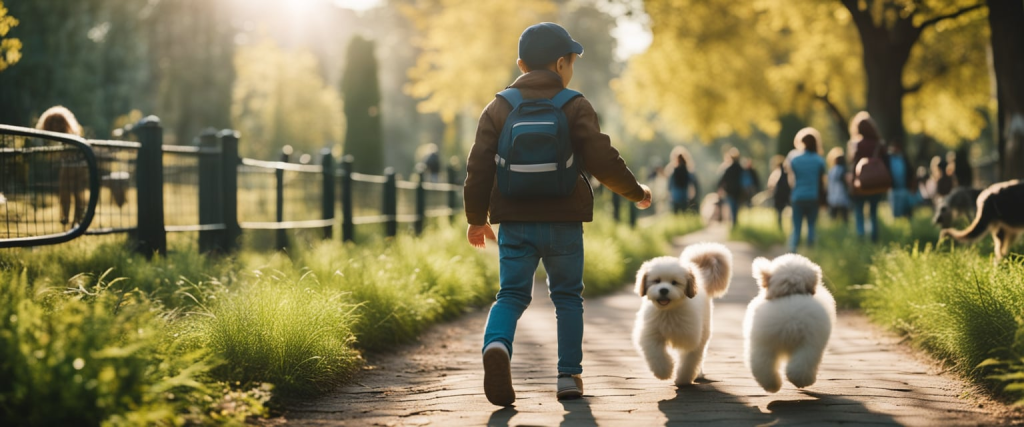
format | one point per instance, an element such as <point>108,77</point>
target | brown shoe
<point>498,375</point>
<point>570,386</point>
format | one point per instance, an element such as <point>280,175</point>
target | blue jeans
<point>803,209</point>
<point>521,246</point>
<point>734,208</point>
<point>858,213</point>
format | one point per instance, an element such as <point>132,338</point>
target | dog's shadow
<point>826,407</point>
<point>703,403</point>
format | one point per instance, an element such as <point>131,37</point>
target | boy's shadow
<point>579,413</point>
<point>501,417</point>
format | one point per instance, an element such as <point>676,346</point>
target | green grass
<point>956,305</point>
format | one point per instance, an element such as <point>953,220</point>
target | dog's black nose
<point>663,291</point>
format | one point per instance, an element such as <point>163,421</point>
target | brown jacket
<point>600,159</point>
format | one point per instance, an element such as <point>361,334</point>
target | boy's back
<point>592,147</point>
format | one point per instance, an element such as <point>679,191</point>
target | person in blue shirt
<point>902,183</point>
<point>806,167</point>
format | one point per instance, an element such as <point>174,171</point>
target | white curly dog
<point>789,321</point>
<point>676,309</point>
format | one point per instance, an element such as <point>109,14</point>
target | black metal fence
<point>148,189</point>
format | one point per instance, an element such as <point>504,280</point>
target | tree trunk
<point>1006,19</point>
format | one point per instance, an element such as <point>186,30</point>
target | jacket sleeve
<point>601,159</point>
<point>480,167</point>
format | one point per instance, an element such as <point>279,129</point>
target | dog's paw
<point>801,378</point>
<point>662,372</point>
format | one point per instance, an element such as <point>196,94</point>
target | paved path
<point>867,377</point>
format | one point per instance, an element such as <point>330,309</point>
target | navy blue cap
<point>544,43</point>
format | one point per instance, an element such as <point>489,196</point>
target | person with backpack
<point>681,180</point>
<point>778,183</point>
<point>730,184</point>
<point>806,168</point>
<point>525,171</point>
<point>866,144</point>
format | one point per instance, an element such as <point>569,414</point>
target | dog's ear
<point>641,279</point>
<point>691,285</point>
<point>762,269</point>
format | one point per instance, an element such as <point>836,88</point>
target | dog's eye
<point>675,283</point>
<point>656,281</point>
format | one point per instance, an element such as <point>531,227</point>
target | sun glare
<point>358,5</point>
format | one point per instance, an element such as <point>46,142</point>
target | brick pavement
<point>867,377</point>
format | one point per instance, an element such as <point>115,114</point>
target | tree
<point>361,90</point>
<point>889,31</point>
<point>724,67</point>
<point>279,98</point>
<point>10,48</point>
<point>1006,18</point>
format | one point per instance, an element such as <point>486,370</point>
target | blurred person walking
<point>838,196</point>
<point>681,180</point>
<point>806,168</point>
<point>778,184</point>
<point>730,184</point>
<point>864,143</point>
<point>901,197</point>
<point>749,180</point>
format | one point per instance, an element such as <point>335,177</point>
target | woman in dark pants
<point>864,143</point>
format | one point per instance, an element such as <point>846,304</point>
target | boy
<point>542,229</point>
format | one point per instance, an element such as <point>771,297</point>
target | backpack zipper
<point>531,123</point>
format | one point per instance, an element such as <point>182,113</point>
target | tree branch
<point>941,18</point>
<point>836,115</point>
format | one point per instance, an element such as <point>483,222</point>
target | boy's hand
<point>477,233</point>
<point>646,202</point>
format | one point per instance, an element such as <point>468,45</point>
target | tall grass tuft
<point>290,332</point>
<point>955,304</point>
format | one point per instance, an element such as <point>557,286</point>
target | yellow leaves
<point>469,50</point>
<point>10,48</point>
<point>724,67</point>
<point>280,98</point>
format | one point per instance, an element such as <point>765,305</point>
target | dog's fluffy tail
<point>714,261</point>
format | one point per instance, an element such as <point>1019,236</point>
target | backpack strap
<point>513,97</point>
<point>564,97</point>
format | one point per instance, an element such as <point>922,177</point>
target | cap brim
<point>577,48</point>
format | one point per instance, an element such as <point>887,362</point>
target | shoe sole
<point>568,394</point>
<point>498,378</point>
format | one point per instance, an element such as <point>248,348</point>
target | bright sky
<point>358,5</point>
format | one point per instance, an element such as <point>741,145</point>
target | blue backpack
<point>535,156</point>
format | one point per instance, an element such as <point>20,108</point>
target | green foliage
<point>361,90</point>
<point>96,354</point>
<point>955,304</point>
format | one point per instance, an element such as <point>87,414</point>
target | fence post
<point>452,196</point>
<point>421,203</point>
<point>282,234</point>
<point>150,235</point>
<point>210,193</point>
<point>229,188</point>
<point>327,204</point>
<point>348,229</point>
<point>390,203</point>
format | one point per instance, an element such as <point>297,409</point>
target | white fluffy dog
<point>676,308</point>
<point>789,320</point>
